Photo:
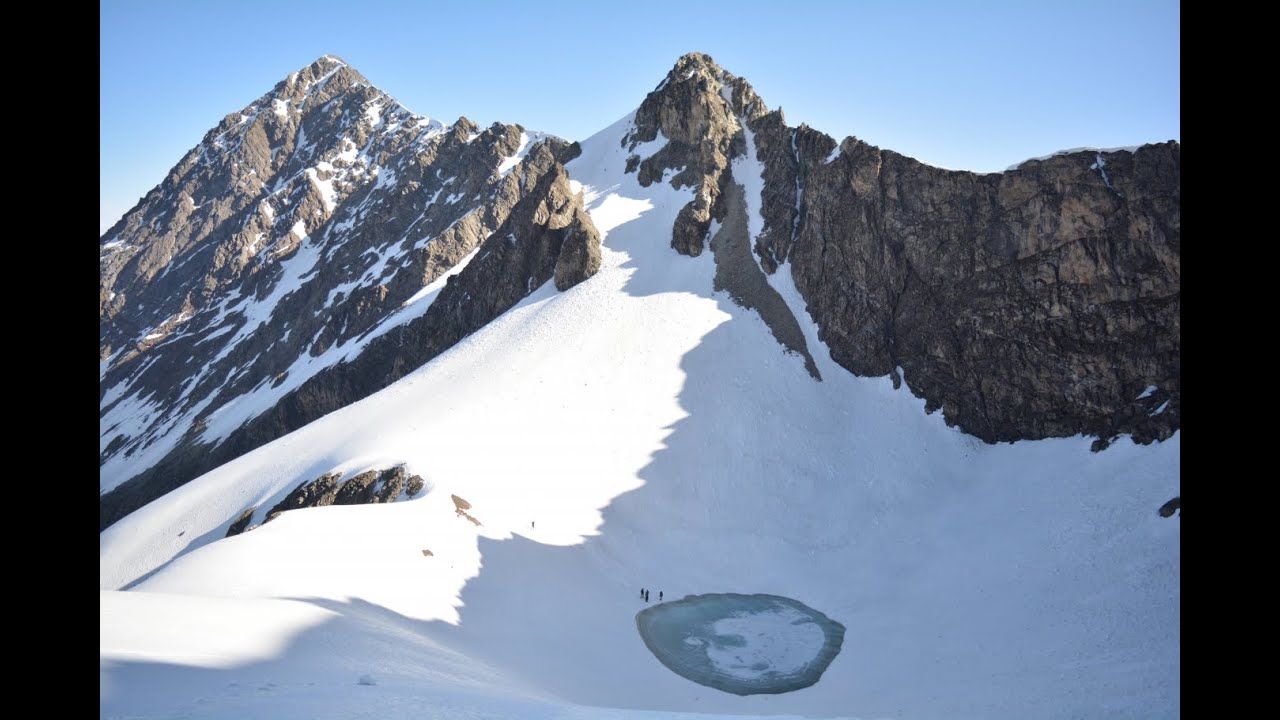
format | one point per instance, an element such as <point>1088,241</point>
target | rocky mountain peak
<point>325,66</point>
<point>708,77</point>
<point>325,63</point>
<point>462,128</point>
<point>697,99</point>
<point>699,114</point>
<point>695,61</point>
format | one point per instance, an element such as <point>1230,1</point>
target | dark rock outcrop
<point>390,484</point>
<point>372,487</point>
<point>579,256</point>
<point>316,493</point>
<point>241,523</point>
<point>1035,303</point>
<point>414,486</point>
<point>1171,507</point>
<point>358,490</point>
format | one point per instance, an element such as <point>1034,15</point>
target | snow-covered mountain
<point>302,230</point>
<point>582,369</point>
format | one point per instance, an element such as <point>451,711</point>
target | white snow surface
<point>749,172</point>
<point>658,436</point>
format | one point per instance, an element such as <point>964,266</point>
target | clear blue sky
<point>976,85</point>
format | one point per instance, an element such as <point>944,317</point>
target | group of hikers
<point>644,594</point>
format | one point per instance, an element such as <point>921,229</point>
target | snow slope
<point>658,436</point>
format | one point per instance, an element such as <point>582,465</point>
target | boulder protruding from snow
<point>366,488</point>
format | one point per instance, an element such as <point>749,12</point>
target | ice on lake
<point>742,644</point>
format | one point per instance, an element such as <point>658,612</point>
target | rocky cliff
<point>1038,302</point>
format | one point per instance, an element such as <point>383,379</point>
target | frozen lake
<point>742,644</point>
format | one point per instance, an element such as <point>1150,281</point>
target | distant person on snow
<point>532,523</point>
<point>641,593</point>
<point>659,596</point>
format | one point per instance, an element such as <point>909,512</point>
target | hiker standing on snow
<point>659,596</point>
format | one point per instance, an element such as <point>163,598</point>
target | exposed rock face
<point>317,493</point>
<point>372,487</point>
<point>700,134</point>
<point>1171,507</point>
<point>579,256</point>
<point>1035,303</point>
<point>358,490</point>
<point>414,486</point>
<point>390,484</point>
<point>1038,302</point>
<point>298,236</point>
